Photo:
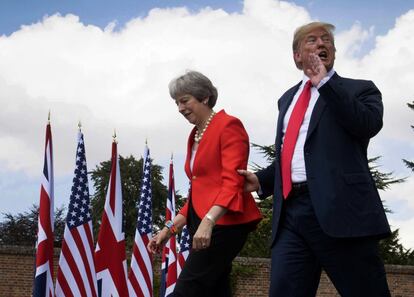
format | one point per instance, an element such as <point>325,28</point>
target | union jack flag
<point>140,275</point>
<point>43,282</point>
<point>185,247</point>
<point>110,255</point>
<point>76,274</point>
<point>169,255</point>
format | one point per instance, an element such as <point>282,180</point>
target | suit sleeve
<point>357,105</point>
<point>266,180</point>
<point>234,147</point>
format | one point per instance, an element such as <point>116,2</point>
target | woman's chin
<point>191,119</point>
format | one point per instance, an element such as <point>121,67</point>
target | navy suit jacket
<point>347,114</point>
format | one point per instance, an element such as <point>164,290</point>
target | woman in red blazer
<point>218,214</point>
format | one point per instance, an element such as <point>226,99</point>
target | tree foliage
<point>410,164</point>
<point>383,180</point>
<point>21,229</point>
<point>391,250</point>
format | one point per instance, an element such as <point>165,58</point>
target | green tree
<point>131,173</point>
<point>391,250</point>
<point>21,229</point>
<point>410,164</point>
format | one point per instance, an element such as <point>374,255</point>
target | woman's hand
<point>202,238</point>
<point>156,244</point>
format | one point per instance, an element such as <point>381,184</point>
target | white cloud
<point>118,78</point>
<point>406,235</point>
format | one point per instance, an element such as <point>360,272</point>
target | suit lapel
<point>316,115</point>
<point>284,104</point>
<point>317,112</point>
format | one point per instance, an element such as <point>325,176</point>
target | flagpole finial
<point>146,141</point>
<point>172,156</point>
<point>80,126</point>
<point>114,136</point>
<point>48,117</point>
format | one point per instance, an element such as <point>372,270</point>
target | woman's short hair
<point>302,31</point>
<point>196,84</point>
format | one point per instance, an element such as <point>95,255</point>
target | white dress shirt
<point>298,161</point>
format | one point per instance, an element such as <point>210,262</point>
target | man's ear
<point>297,57</point>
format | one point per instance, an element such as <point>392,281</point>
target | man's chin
<point>327,66</point>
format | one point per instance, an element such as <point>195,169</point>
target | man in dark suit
<point>326,209</point>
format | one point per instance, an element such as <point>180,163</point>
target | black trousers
<point>302,249</point>
<point>206,272</point>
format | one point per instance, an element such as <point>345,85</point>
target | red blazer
<point>223,149</point>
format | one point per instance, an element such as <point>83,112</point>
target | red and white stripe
<point>76,272</point>
<point>140,278</point>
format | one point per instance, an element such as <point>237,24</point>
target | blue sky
<point>14,13</point>
<point>98,12</point>
<point>113,78</point>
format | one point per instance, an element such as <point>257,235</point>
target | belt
<point>299,188</point>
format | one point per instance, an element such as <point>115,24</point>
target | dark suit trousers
<point>206,273</point>
<point>302,249</point>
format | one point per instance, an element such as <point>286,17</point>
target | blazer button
<point>194,177</point>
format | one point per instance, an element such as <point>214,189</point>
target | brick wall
<point>16,276</point>
<point>253,281</point>
<point>17,269</point>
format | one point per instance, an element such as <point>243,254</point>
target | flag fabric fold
<point>43,280</point>
<point>140,277</point>
<point>169,255</point>
<point>76,274</point>
<point>110,255</point>
<point>184,251</point>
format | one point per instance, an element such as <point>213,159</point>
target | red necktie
<point>291,136</point>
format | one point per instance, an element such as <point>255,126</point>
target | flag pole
<point>114,137</point>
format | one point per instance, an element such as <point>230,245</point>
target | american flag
<point>43,283</point>
<point>110,255</point>
<point>140,274</point>
<point>185,246</point>
<point>76,274</point>
<point>169,255</point>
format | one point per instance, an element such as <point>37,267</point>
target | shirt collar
<point>326,78</point>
